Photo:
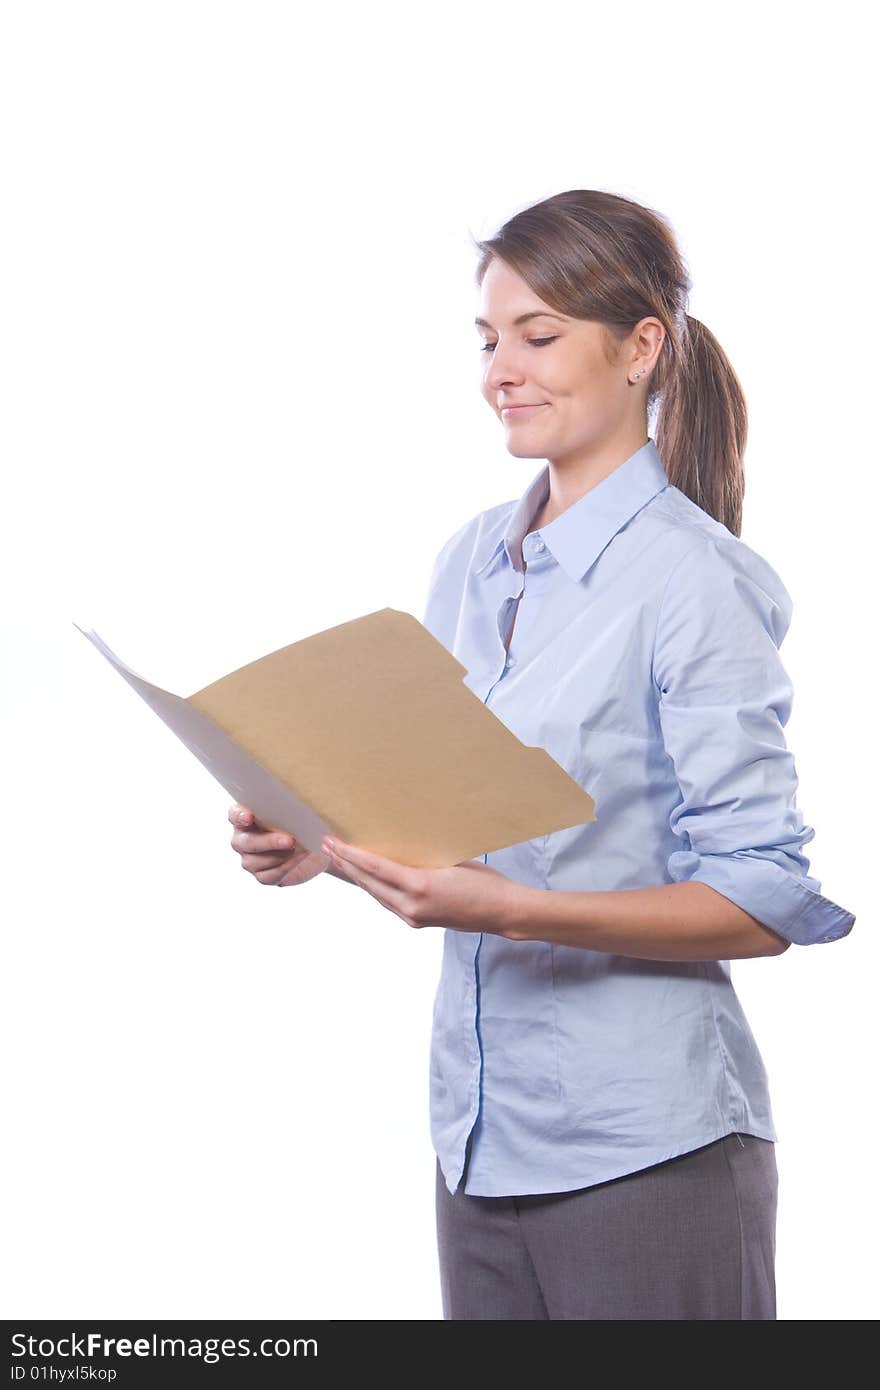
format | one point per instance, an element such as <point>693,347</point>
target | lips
<point>521,411</point>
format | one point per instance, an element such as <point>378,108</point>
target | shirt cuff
<point>783,902</point>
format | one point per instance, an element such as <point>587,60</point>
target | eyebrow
<point>523,318</point>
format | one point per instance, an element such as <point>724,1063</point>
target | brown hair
<point>595,255</point>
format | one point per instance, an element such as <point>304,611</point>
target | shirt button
<point>511,661</point>
<point>539,545</point>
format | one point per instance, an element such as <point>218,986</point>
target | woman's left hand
<point>466,897</point>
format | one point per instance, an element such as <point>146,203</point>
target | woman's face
<point>558,367</point>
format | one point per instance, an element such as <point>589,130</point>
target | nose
<point>504,369</point>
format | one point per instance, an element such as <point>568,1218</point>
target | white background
<point>241,404</point>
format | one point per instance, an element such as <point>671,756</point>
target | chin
<point>524,451</point>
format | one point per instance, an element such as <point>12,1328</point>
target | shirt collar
<point>578,535</point>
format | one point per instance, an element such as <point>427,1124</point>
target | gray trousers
<point>694,1237</point>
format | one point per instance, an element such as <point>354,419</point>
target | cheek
<point>593,391</point>
<point>570,383</point>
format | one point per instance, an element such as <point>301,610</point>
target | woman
<point>599,1107</point>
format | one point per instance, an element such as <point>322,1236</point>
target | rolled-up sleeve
<point>724,699</point>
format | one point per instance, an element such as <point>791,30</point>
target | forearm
<point>674,921</point>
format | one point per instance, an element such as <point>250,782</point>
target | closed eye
<point>536,342</point>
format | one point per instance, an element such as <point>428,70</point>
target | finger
<point>244,816</point>
<point>374,866</point>
<point>268,872</point>
<point>260,842</point>
<point>345,866</point>
<point>388,894</point>
<point>260,863</point>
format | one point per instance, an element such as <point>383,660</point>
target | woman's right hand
<point>272,856</point>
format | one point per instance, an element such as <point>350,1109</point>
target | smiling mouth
<point>517,409</point>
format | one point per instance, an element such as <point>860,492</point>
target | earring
<point>641,372</point>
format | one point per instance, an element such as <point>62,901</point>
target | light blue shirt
<point>645,659</point>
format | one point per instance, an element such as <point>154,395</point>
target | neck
<point>572,478</point>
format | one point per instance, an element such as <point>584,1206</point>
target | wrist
<point>523,915</point>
